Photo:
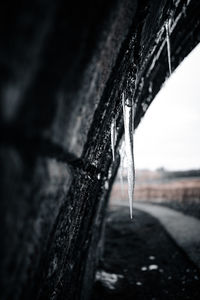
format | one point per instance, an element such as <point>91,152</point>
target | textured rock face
<point>63,69</point>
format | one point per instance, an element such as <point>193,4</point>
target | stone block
<point>32,194</point>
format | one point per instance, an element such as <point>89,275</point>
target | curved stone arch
<point>184,36</point>
<point>64,68</point>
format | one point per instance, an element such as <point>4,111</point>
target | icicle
<point>121,168</point>
<point>113,137</point>
<point>128,128</point>
<point>167,27</point>
<point>121,181</point>
<point>133,163</point>
<point>150,87</point>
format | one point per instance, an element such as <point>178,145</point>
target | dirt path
<point>184,229</point>
<point>142,262</point>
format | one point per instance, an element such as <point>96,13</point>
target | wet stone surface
<point>142,262</point>
<point>64,67</point>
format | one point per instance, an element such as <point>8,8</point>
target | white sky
<point>169,134</point>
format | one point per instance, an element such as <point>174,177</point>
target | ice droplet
<point>113,137</point>
<point>144,107</point>
<point>128,112</point>
<point>167,27</point>
<point>109,173</point>
<point>150,87</point>
<point>106,185</point>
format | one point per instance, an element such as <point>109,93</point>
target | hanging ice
<point>113,137</point>
<point>128,113</point>
<point>121,168</point>
<point>121,181</point>
<point>167,27</point>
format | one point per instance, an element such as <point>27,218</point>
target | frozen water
<point>121,168</point>
<point>109,280</point>
<point>150,87</point>
<point>109,173</point>
<point>113,137</point>
<point>153,267</point>
<point>128,112</point>
<point>151,257</point>
<point>144,106</point>
<point>167,27</point>
<point>106,185</point>
<point>123,106</point>
<point>121,181</point>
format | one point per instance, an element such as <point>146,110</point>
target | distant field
<point>179,193</point>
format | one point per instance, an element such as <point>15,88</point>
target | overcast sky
<point>169,134</point>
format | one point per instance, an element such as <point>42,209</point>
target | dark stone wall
<point>63,68</point>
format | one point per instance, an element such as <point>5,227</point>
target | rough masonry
<point>63,68</point>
